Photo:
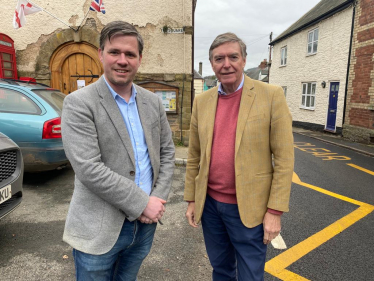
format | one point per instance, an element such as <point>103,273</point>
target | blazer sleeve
<point>82,148</point>
<point>163,182</point>
<point>281,144</point>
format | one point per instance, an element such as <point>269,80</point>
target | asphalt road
<point>328,231</point>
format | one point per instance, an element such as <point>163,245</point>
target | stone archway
<point>88,33</point>
<point>74,61</point>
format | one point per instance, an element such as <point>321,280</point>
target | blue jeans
<point>235,251</point>
<point>123,261</point>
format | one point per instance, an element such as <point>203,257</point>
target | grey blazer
<point>98,146</point>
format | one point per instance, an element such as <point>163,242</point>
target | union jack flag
<point>98,6</point>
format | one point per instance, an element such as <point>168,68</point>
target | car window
<point>12,101</point>
<point>53,97</point>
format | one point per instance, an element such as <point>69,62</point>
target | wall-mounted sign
<point>174,30</point>
<point>167,93</point>
<point>169,100</point>
<point>5,43</point>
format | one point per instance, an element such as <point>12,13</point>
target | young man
<point>231,183</point>
<point>118,140</point>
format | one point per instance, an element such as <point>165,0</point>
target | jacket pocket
<point>256,117</point>
<point>262,175</point>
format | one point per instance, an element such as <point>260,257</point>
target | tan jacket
<point>264,129</point>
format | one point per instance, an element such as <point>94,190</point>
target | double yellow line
<point>277,266</point>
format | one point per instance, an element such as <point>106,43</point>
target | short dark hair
<point>225,38</point>
<point>123,28</point>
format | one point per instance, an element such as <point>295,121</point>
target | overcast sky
<point>251,20</point>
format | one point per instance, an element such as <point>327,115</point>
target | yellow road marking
<point>277,266</point>
<point>362,169</point>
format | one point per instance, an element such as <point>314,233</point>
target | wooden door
<point>73,62</point>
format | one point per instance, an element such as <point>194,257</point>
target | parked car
<point>11,175</point>
<point>30,114</point>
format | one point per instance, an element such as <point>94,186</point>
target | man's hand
<point>272,227</point>
<point>190,214</point>
<point>153,211</point>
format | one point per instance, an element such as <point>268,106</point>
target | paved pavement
<point>181,152</point>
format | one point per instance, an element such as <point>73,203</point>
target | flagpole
<point>59,20</point>
<point>55,17</point>
<point>83,19</point>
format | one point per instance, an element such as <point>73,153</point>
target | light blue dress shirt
<point>130,114</point>
<point>222,92</point>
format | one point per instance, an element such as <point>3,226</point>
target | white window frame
<point>308,95</point>
<point>284,56</point>
<point>313,36</point>
<point>285,90</point>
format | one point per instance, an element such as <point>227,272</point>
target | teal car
<point>30,115</point>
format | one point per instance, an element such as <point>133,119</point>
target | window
<point>285,90</point>
<point>308,95</point>
<point>7,65</point>
<point>284,56</point>
<point>54,98</point>
<point>312,41</point>
<point>14,102</point>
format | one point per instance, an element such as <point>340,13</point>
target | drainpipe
<point>181,121</point>
<point>349,61</point>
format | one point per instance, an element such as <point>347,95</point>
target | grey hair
<point>225,38</point>
<point>122,28</point>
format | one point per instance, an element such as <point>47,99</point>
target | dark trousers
<point>235,251</point>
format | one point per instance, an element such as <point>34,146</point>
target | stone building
<point>198,83</point>
<point>359,114</point>
<point>260,72</point>
<point>58,52</point>
<point>310,62</point>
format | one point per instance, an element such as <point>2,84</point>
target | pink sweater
<point>221,182</point>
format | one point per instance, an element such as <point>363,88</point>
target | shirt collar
<point>117,96</point>
<point>221,91</point>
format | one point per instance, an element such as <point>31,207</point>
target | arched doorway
<point>72,62</point>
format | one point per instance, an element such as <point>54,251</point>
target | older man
<point>118,140</point>
<point>240,164</point>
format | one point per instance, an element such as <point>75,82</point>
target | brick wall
<point>359,121</point>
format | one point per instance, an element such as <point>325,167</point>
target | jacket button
<point>132,173</point>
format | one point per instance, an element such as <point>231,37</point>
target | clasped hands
<point>154,210</point>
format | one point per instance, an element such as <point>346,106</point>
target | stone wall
<point>166,27</point>
<point>163,52</point>
<point>359,116</point>
<point>180,121</point>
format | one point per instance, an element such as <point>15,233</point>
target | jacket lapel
<point>145,119</point>
<point>210,116</point>
<point>248,96</point>
<point>115,115</point>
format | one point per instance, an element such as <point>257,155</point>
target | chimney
<point>263,64</point>
<point>201,68</point>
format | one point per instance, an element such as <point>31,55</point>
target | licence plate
<point>5,193</point>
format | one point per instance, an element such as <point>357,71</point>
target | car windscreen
<point>53,97</point>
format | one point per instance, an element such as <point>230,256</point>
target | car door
<point>21,115</point>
